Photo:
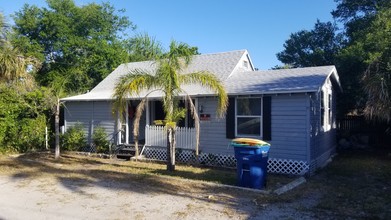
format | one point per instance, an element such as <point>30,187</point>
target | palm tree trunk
<point>136,153</point>
<point>173,145</point>
<point>57,130</point>
<point>171,149</point>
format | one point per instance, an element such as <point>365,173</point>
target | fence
<point>352,124</point>
<point>379,132</point>
<point>157,136</point>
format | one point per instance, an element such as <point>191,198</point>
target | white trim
<point>249,116</point>
<point>91,128</point>
<point>326,91</point>
<point>309,127</point>
<point>118,128</point>
<point>127,123</point>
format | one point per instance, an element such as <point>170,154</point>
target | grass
<point>357,184</point>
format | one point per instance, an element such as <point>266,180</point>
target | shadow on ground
<point>77,173</point>
<point>356,185</point>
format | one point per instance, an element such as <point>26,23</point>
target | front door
<point>126,133</point>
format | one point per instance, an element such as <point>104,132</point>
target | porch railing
<point>157,136</point>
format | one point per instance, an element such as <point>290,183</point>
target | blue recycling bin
<point>251,156</point>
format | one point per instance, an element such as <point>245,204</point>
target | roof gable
<point>220,64</point>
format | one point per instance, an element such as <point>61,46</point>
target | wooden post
<point>46,138</point>
<point>57,129</point>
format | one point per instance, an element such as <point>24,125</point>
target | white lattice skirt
<point>275,165</point>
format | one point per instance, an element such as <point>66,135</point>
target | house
<point>292,109</point>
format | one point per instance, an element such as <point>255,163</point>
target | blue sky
<point>260,26</point>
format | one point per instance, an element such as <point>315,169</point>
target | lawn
<point>355,185</point>
<point>358,184</point>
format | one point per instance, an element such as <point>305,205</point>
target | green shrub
<point>99,138</point>
<point>74,138</point>
<point>32,133</point>
<point>22,119</point>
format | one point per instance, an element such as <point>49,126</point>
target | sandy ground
<point>45,198</point>
<point>48,198</point>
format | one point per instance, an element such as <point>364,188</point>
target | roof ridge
<point>225,52</point>
<point>295,68</point>
<point>197,55</point>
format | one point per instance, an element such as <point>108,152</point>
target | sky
<point>260,26</point>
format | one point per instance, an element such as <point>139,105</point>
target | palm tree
<point>3,29</point>
<point>143,47</point>
<point>168,79</point>
<point>57,91</point>
<point>14,65</point>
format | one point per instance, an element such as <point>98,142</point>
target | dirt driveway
<point>47,198</point>
<point>39,189</point>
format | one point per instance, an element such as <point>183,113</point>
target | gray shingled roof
<point>221,64</point>
<point>226,66</point>
<point>308,79</point>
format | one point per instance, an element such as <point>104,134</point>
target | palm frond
<point>14,66</point>
<point>211,82</point>
<point>131,84</point>
<point>144,47</point>
<point>377,83</point>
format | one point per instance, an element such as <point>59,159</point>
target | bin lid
<point>250,142</point>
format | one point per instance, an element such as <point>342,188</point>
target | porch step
<point>126,151</point>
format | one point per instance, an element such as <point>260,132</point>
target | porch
<point>156,137</point>
<point>154,147</point>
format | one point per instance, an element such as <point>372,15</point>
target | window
<point>245,64</point>
<point>249,117</point>
<point>326,107</point>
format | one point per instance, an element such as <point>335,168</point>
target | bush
<point>32,133</point>
<point>99,138</point>
<point>22,119</point>
<point>74,138</point>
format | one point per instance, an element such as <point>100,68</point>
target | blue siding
<point>90,115</point>
<point>323,143</point>
<point>289,128</point>
<point>212,132</point>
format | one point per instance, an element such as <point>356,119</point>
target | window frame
<point>326,106</point>
<point>249,116</point>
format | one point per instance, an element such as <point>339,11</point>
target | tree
<point>22,118</point>
<point>3,30</point>
<point>13,64</point>
<point>58,90</point>
<point>85,39</point>
<point>168,79</point>
<point>349,49</point>
<point>377,76</point>
<point>357,15</point>
<point>143,47</point>
<point>364,61</point>
<point>312,48</point>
